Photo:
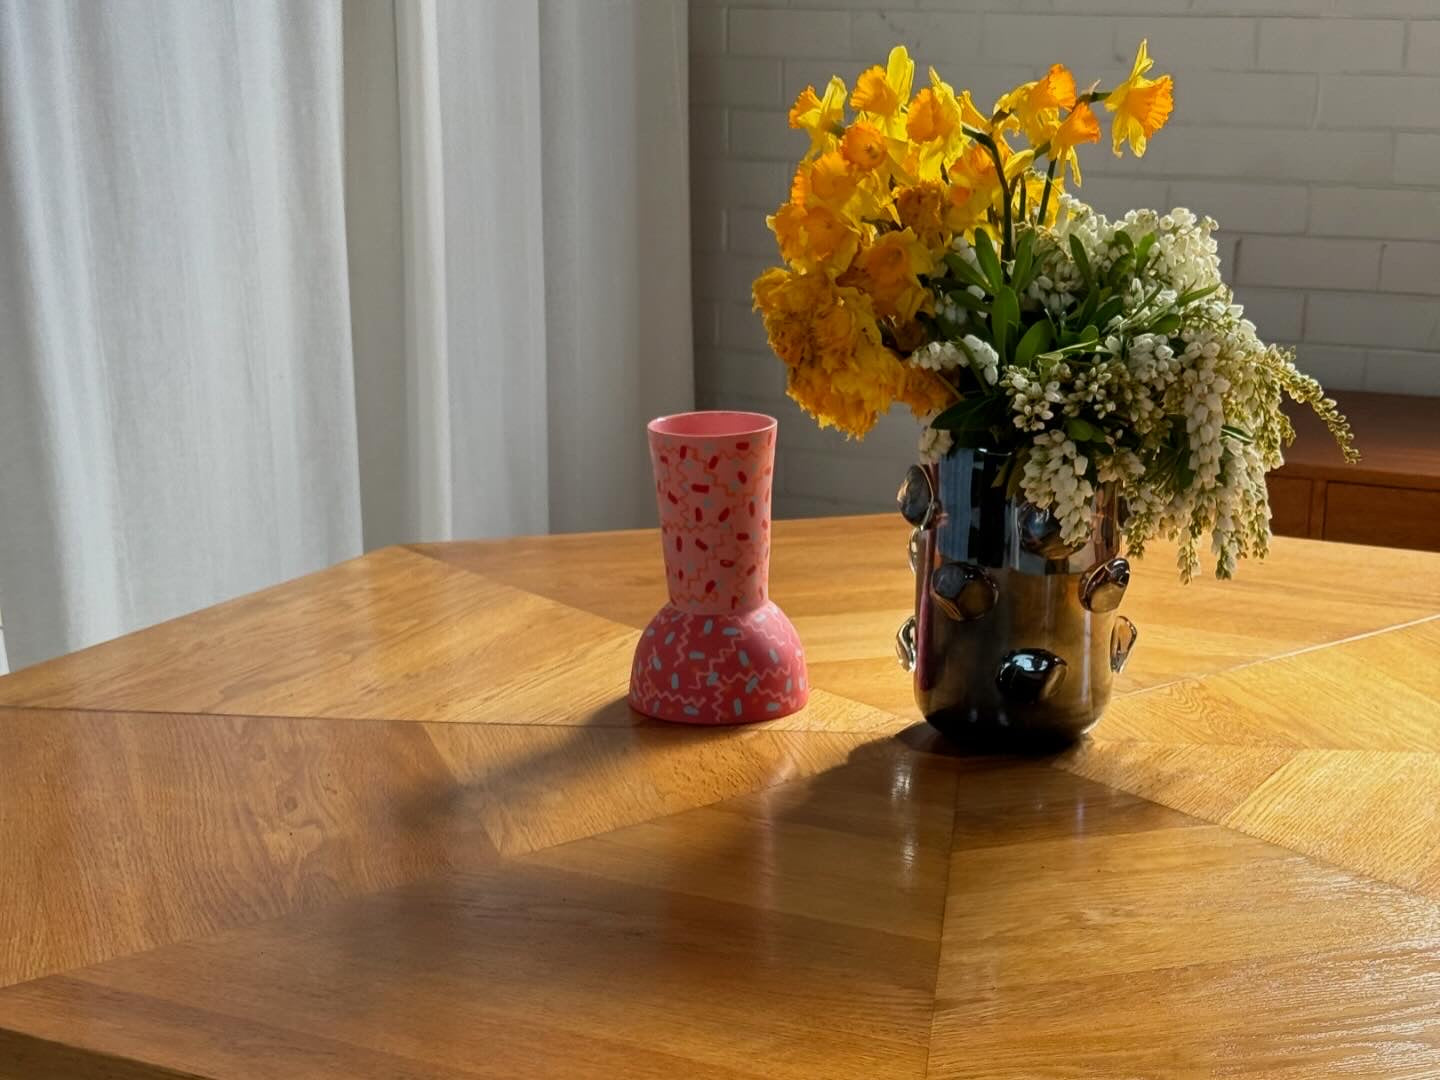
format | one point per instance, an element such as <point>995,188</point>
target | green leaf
<point>974,413</point>
<point>1037,339</point>
<point>1005,319</point>
<point>1107,311</point>
<point>989,262</point>
<point>1239,434</point>
<point>1195,294</point>
<point>1142,253</point>
<point>967,299</point>
<point>1077,252</point>
<point>965,272</point>
<point>1166,324</point>
<point>1024,262</point>
<point>1083,431</point>
<point>1124,240</point>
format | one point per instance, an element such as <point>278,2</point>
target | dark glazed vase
<point>1015,639</point>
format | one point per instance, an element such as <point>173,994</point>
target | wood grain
<point>732,951</point>
<point>395,820</point>
<point>1376,692</point>
<point>123,832</point>
<point>1165,952</point>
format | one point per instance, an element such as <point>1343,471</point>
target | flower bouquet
<point>1096,373</point>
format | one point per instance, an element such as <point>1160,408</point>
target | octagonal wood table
<point>395,820</point>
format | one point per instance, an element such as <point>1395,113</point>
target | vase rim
<point>713,424</point>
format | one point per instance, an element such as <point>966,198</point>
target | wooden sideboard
<point>1391,498</point>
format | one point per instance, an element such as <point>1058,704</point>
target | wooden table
<point>395,820</point>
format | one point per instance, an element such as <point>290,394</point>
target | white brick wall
<point>1309,128</point>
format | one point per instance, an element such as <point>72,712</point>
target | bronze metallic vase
<point>1015,640</point>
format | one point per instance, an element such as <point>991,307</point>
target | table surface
<point>394,819</point>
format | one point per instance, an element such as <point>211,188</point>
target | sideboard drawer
<point>1388,516</point>
<point>1289,505</point>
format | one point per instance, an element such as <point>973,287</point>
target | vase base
<point>977,734</point>
<point>692,668</point>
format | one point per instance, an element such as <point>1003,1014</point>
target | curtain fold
<point>176,387</point>
<point>281,281</point>
<point>284,281</point>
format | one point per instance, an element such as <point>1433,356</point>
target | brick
<point>1277,313</point>
<point>1331,45</point>
<point>707,31</point>
<point>802,73</point>
<point>1340,156</point>
<point>789,33</point>
<point>1375,321</point>
<point>740,183</point>
<point>1117,7</point>
<point>865,5</point>
<point>1422,53</point>
<point>802,506</point>
<point>1375,8</point>
<point>1244,99</point>
<point>1245,208</point>
<point>986,82</point>
<point>1225,44</point>
<point>765,136</point>
<point>1390,372</point>
<point>732,373</point>
<point>1226,247</point>
<point>849,472</point>
<point>705,324</point>
<point>1083,42</point>
<point>707,132</point>
<point>1368,101</point>
<point>1253,7</point>
<point>939,38</point>
<point>707,229</point>
<point>728,277</point>
<point>741,328</point>
<point>1384,212</point>
<point>1410,268</point>
<point>1308,262</point>
<point>729,80</point>
<point>747,234</point>
<point>1417,158</point>
<point>1338,367</point>
<point>1113,195</point>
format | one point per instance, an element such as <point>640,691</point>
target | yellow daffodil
<point>1141,106</point>
<point>1080,126</point>
<point>1034,107</point>
<point>876,203</point>
<point>823,118</point>
<point>934,122</point>
<point>924,207</point>
<point>880,93</point>
<point>888,272</point>
<point>864,147</point>
<point>814,237</point>
<point>839,369</point>
<point>974,186</point>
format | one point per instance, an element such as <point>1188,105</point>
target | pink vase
<point>720,652</point>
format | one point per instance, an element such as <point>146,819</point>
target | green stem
<point>1007,240</point>
<point>1045,195</point>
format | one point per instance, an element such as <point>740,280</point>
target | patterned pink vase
<point>719,652</point>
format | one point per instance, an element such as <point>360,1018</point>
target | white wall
<point>1309,128</point>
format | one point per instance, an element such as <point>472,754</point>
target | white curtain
<point>280,281</point>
